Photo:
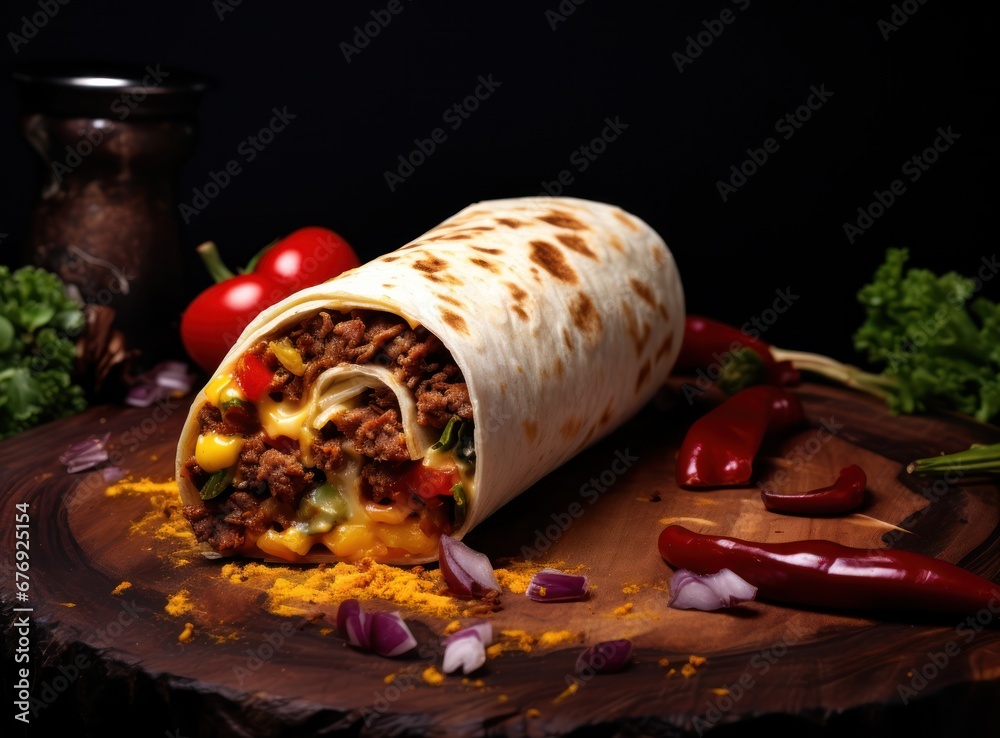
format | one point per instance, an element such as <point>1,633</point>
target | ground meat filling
<point>270,478</point>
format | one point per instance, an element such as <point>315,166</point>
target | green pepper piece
<point>217,484</point>
<point>449,436</point>
<point>461,504</point>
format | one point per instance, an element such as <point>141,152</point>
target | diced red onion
<point>604,657</point>
<point>690,591</point>
<point>112,474</point>
<point>467,573</point>
<point>464,650</point>
<point>389,634</point>
<point>353,624</point>
<point>551,585</point>
<point>85,454</point>
<point>482,629</point>
<point>162,381</point>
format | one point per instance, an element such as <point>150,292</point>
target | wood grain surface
<point>106,657</point>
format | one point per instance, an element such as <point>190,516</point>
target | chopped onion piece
<point>467,573</point>
<point>353,624</point>
<point>483,629</point>
<point>163,380</point>
<point>85,454</point>
<point>464,650</point>
<point>605,657</point>
<point>112,474</point>
<point>389,634</point>
<point>551,585</point>
<point>690,591</point>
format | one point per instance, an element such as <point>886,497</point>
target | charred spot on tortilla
<point>659,256</point>
<point>567,339</point>
<point>486,250</point>
<point>571,427</point>
<point>450,300</point>
<point>577,244</point>
<point>430,265</point>
<point>585,315</point>
<point>550,258</point>
<point>455,320</point>
<point>605,416</point>
<point>519,311</point>
<point>558,368</point>
<point>616,243</point>
<point>665,347</point>
<point>488,265</point>
<point>643,290</point>
<point>452,237</point>
<point>510,222</point>
<point>389,257</point>
<point>516,292</point>
<point>563,220</point>
<point>643,375</point>
<point>530,429</point>
<point>632,328</point>
<point>626,220</point>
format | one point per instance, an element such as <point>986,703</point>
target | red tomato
<point>429,483</point>
<point>253,376</point>
<point>305,257</point>
<point>214,320</point>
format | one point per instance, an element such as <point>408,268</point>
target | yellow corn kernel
<point>407,536</point>
<point>214,451</point>
<point>348,539</point>
<point>288,356</point>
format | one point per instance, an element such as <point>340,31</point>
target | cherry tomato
<point>214,320</point>
<point>305,257</point>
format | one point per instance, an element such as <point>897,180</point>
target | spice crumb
<point>555,637</point>
<point>567,693</point>
<point>502,698</point>
<point>388,678</point>
<point>495,650</point>
<point>672,672</point>
<point>664,662</point>
<point>187,634</point>
<point>68,604</point>
<point>720,691</point>
<point>688,671</point>
<point>630,589</point>
<point>477,683</point>
<point>432,676</point>
<point>453,627</point>
<point>531,712</point>
<point>624,609</point>
<point>121,588</point>
<point>179,604</point>
<point>696,660</point>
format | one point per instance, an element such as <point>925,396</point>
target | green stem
<point>209,254</point>
<point>851,376</point>
<point>978,457</point>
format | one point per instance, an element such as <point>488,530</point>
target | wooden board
<point>102,660</point>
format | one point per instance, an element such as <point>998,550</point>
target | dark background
<point>685,129</point>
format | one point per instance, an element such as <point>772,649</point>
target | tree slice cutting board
<point>130,628</point>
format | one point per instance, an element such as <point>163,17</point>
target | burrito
<point>415,395</point>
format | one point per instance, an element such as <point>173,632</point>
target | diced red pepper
<point>253,376</point>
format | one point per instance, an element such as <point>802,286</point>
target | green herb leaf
<point>217,484</point>
<point>461,504</point>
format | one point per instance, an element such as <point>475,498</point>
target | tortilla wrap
<point>564,316</point>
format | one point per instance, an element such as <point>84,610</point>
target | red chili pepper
<point>720,447</point>
<point>844,495</point>
<point>214,320</point>
<point>825,574</point>
<point>707,342</point>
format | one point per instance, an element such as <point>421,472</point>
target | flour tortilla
<point>564,315</point>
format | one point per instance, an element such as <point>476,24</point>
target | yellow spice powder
<point>555,637</point>
<point>631,589</point>
<point>179,604</point>
<point>432,676</point>
<point>121,588</point>
<point>623,610</point>
<point>688,670</point>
